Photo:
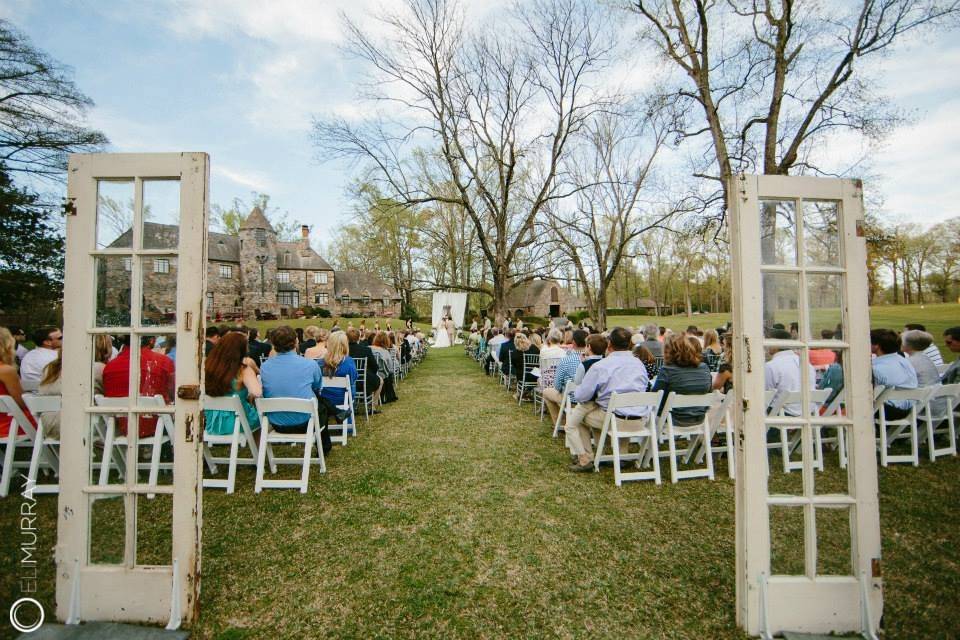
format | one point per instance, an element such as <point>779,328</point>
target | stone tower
<point>258,265</point>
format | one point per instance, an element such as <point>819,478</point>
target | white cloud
<point>253,180</point>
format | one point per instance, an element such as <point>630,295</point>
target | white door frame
<point>809,602</point>
<point>130,591</point>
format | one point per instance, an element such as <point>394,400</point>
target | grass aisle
<point>452,515</point>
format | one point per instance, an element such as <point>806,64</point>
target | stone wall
<point>227,292</point>
<point>250,274</point>
<point>374,308</point>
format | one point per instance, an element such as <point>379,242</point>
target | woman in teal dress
<point>229,372</point>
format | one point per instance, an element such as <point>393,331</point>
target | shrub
<point>409,312</point>
<point>578,316</point>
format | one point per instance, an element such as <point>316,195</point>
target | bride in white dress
<point>441,337</point>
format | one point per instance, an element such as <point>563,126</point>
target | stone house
<point>545,298</point>
<point>249,274</point>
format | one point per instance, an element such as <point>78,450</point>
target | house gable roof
<point>359,283</point>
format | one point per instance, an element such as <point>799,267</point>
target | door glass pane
<point>102,349</point>
<point>161,214</point>
<point>832,478</point>
<point>781,298</point>
<point>114,214</point>
<point>154,530</point>
<point>114,275</point>
<point>824,293</point>
<point>107,529</point>
<point>159,304</point>
<point>821,232</point>
<point>108,449</point>
<point>786,540</point>
<point>834,556</point>
<point>778,232</point>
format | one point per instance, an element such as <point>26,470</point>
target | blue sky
<point>240,81</point>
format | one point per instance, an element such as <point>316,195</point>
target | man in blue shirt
<point>891,369</point>
<point>619,372</point>
<point>289,375</point>
<point>565,371</point>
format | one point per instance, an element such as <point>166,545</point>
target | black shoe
<point>581,468</point>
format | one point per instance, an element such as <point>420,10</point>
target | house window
<point>161,265</point>
<point>261,236</point>
<point>209,300</point>
<point>127,264</point>
<point>386,302</point>
<point>366,299</point>
<point>320,277</point>
<point>289,298</point>
<point>345,299</point>
<point>321,298</point>
<point>226,271</point>
<point>283,276</point>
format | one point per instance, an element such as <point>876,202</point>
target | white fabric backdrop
<point>458,307</point>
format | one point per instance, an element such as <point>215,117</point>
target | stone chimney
<point>304,240</point>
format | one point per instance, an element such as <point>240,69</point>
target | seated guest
<point>684,373</point>
<point>50,386</point>
<point>932,351</point>
<point>564,372</point>
<point>711,343</point>
<point>10,381</point>
<point>553,349</point>
<point>723,382</point>
<point>914,344</point>
<point>782,371</point>
<point>156,378</point>
<point>228,371</point>
<point>507,348</point>
<point>951,339</point>
<point>319,348</point>
<point>310,335</point>
<point>536,340</point>
<point>651,334</point>
<point>890,369</point>
<point>372,380</point>
<point>495,338</point>
<point>256,350</point>
<point>596,346</point>
<point>643,354</point>
<point>833,378</point>
<point>619,372</point>
<point>822,358</point>
<point>48,341</point>
<point>386,365</point>
<point>213,336</point>
<point>288,375</point>
<point>523,346</point>
<point>337,363</point>
<point>19,336</point>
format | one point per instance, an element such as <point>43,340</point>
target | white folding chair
<point>530,362</point>
<point>350,423</point>
<point>893,430</point>
<point>720,419</point>
<point>365,397</point>
<point>163,433</point>
<point>788,443</point>
<point>566,405</point>
<point>938,417</point>
<point>241,436</point>
<point>45,449</point>
<point>21,436</point>
<point>835,408</point>
<point>29,386</point>
<point>697,434</point>
<point>642,430</point>
<point>269,437</point>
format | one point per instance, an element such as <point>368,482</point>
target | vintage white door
<point>128,545</point>
<point>808,541</point>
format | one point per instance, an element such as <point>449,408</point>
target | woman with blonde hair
<point>685,373</point>
<point>524,346</point>
<point>337,363</point>
<point>319,350</point>
<point>10,380</point>
<point>711,342</point>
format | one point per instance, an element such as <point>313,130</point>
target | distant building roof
<point>256,220</point>
<point>359,283</point>
<point>646,303</point>
<point>530,294</point>
<point>222,247</point>
<point>288,257</point>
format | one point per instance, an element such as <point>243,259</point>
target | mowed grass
<point>453,515</point>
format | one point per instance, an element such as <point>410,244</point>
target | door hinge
<point>188,392</point>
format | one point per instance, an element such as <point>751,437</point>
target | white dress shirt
<point>33,364</point>
<point>782,373</point>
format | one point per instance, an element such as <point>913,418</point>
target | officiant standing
<point>450,328</point>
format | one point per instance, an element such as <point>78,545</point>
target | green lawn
<point>452,515</point>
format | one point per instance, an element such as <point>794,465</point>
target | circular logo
<point>15,617</point>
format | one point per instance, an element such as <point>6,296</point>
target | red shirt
<point>6,419</point>
<point>156,378</point>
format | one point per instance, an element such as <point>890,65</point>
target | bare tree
<point>501,109</point>
<point>767,80</point>
<point>42,111</point>
<point>610,175</point>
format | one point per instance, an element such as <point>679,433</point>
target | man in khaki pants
<point>618,372</point>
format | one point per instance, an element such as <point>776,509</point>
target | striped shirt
<point>566,370</point>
